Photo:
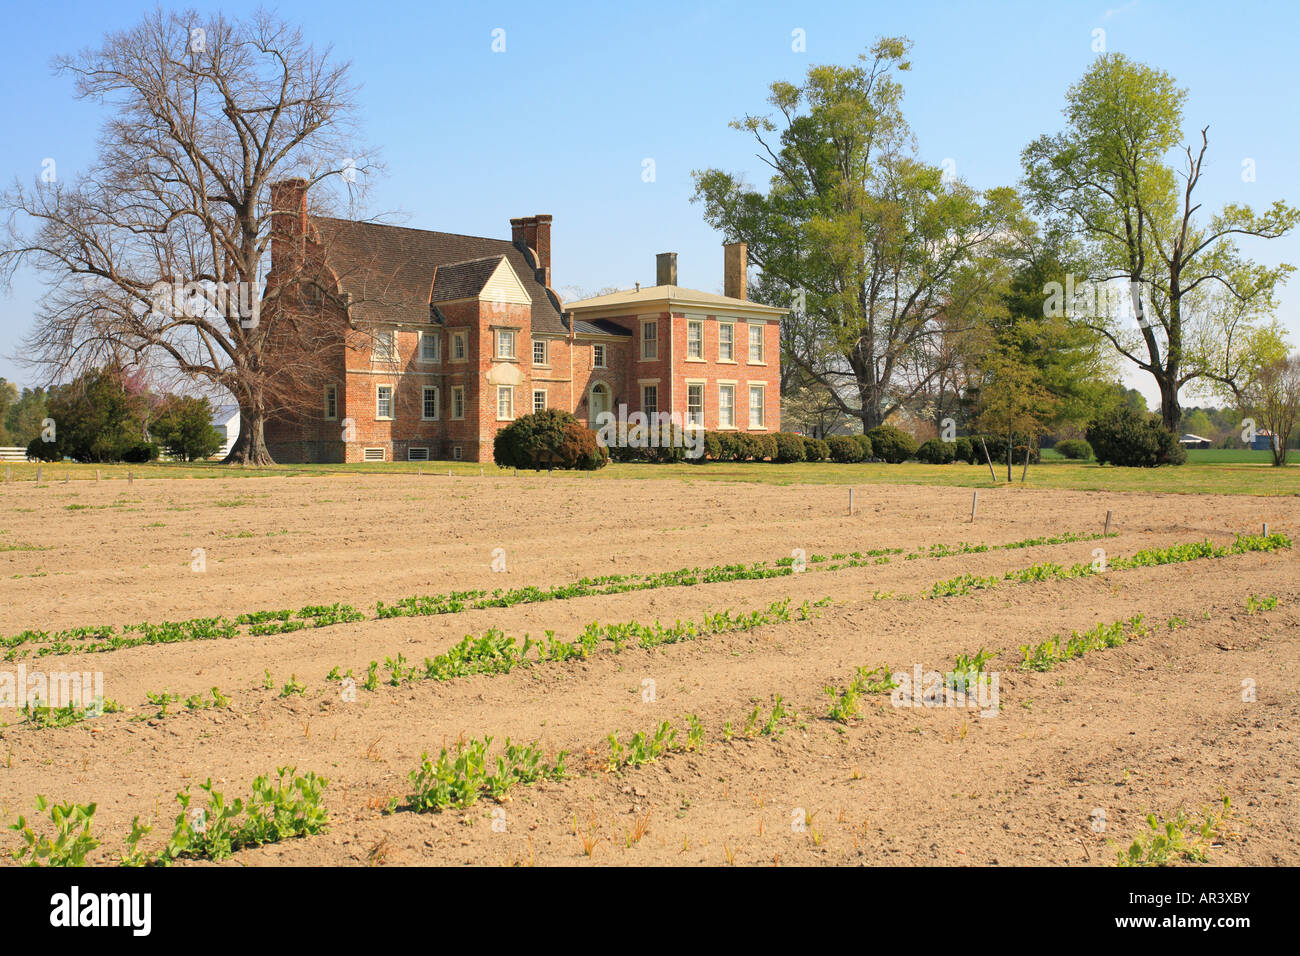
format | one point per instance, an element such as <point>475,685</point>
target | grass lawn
<point>1210,471</point>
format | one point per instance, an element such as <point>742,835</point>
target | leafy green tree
<point>1200,309</point>
<point>98,416</point>
<point>24,417</point>
<point>1274,400</point>
<point>183,424</point>
<point>870,245</point>
<point>1013,399</point>
<point>8,395</point>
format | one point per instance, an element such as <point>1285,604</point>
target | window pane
<point>384,402</point>
<point>756,407</point>
<point>726,405</point>
<point>650,340</point>
<point>429,346</point>
<point>695,339</point>
<point>539,353</point>
<point>695,404</point>
<point>756,343</point>
<point>726,341</point>
<point>539,400</point>
<point>430,402</point>
<point>650,400</point>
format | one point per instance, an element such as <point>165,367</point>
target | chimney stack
<point>535,233</point>
<point>288,221</point>
<point>735,270</point>
<point>666,268</point>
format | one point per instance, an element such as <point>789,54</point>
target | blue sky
<point>562,121</point>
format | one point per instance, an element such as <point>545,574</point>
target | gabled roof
<point>673,296</point>
<point>463,280</point>
<point>390,271</point>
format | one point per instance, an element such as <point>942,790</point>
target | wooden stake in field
<point>38,474</point>
<point>130,478</point>
<point>65,477</point>
<point>850,501</point>
<point>1106,530</point>
<point>974,505</point>
<point>1266,529</point>
<point>97,474</point>
<point>992,473</point>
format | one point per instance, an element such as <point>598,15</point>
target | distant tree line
<point>108,414</point>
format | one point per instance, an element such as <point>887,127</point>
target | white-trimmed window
<point>458,401</point>
<point>384,402</point>
<point>539,351</point>
<point>372,454</point>
<point>429,403</point>
<point>505,403</point>
<point>650,399</point>
<point>650,339</point>
<point>539,400</point>
<point>726,406</point>
<point>456,453</point>
<point>417,454</point>
<point>598,355</point>
<point>458,346</point>
<point>755,343</point>
<point>757,406</point>
<point>726,341</point>
<point>386,345</point>
<point>695,404</point>
<point>430,347</point>
<point>695,338</point>
<point>505,343</point>
<point>331,402</point>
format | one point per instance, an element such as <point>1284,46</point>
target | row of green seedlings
<point>277,809</point>
<point>462,776</point>
<point>1182,839</point>
<point>495,653</point>
<point>104,638</point>
<point>490,653</point>
<point>846,702</point>
<point>1057,649</point>
<point>1148,557</point>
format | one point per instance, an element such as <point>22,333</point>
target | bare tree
<point>157,254</point>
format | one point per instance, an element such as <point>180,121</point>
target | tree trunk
<point>1010,454</point>
<point>250,447</point>
<point>1171,413</point>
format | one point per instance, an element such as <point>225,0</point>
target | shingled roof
<point>390,270</point>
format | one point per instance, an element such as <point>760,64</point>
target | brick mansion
<point>463,334</point>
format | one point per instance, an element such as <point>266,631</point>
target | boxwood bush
<point>892,444</point>
<point>844,448</point>
<point>546,439</point>
<point>815,449</point>
<point>935,451</point>
<point>789,447</point>
<point>1075,449</point>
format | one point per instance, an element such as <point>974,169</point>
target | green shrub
<point>1131,439</point>
<point>546,439</point>
<point>935,451</point>
<point>1075,449</point>
<point>142,453</point>
<point>864,442</point>
<point>40,450</point>
<point>750,447</point>
<point>844,448</point>
<point>789,447</point>
<point>963,451</point>
<point>892,444</point>
<point>815,449</point>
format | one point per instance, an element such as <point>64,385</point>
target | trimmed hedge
<point>937,452</point>
<point>892,444</point>
<point>815,449</point>
<point>40,450</point>
<point>1076,449</point>
<point>789,447</point>
<point>868,453</point>
<point>844,448</point>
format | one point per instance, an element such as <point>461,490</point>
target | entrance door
<point>599,402</point>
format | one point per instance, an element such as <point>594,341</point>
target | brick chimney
<point>535,233</point>
<point>735,269</point>
<point>288,222</point>
<point>666,268</point>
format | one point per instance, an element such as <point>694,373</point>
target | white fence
<point>13,454</point>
